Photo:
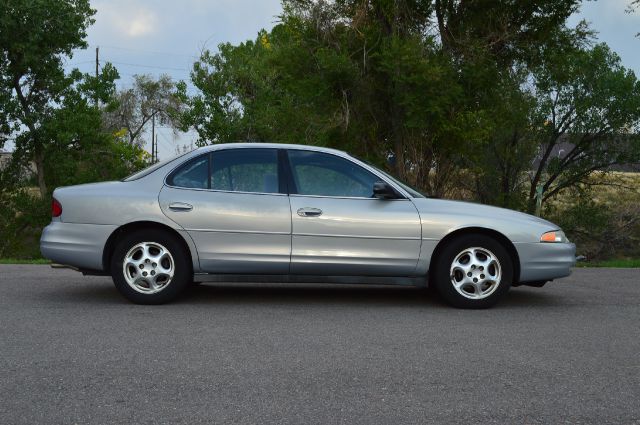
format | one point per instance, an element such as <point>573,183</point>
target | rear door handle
<point>309,212</point>
<point>180,206</point>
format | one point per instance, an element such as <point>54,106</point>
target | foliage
<point>24,261</point>
<point>22,217</point>
<point>588,99</point>
<point>55,118</point>
<point>35,37</point>
<point>440,88</point>
<point>469,99</point>
<point>137,106</point>
<point>626,263</point>
<point>603,221</point>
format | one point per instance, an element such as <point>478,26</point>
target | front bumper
<point>545,261</point>
<point>78,245</point>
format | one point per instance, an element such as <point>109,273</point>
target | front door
<point>231,203</point>
<point>339,229</point>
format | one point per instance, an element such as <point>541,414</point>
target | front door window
<point>321,174</point>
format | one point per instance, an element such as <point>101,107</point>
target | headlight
<point>556,236</point>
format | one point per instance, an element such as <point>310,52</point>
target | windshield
<point>413,192</point>
<point>150,169</point>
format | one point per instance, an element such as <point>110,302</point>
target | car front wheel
<point>150,267</point>
<point>473,271</point>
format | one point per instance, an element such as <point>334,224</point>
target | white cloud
<point>142,24</point>
<point>126,18</point>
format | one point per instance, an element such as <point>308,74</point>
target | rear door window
<point>245,170</point>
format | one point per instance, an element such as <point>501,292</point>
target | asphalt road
<point>73,351</point>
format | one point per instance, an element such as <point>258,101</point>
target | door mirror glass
<point>382,190</point>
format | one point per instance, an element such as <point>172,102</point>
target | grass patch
<point>24,261</point>
<point>624,263</point>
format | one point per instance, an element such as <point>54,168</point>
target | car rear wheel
<point>150,267</point>
<point>472,271</point>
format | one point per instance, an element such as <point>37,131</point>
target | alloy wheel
<point>148,267</point>
<point>475,273</point>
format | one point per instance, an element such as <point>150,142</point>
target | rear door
<point>236,210</point>
<point>339,228</point>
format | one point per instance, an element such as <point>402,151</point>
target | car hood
<point>440,217</point>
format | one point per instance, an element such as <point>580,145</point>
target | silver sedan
<point>270,212</point>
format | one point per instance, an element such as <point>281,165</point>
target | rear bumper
<point>545,261</point>
<point>78,245</point>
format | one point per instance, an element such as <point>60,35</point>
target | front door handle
<point>180,206</point>
<point>309,212</point>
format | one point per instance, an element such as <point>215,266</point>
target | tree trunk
<point>38,155</point>
<point>397,133</point>
<point>39,160</point>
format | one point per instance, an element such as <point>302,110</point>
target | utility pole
<point>153,137</point>
<point>157,159</point>
<point>97,69</point>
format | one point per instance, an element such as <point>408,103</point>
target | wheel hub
<point>475,273</point>
<point>148,267</point>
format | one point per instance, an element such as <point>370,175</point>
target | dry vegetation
<point>604,218</point>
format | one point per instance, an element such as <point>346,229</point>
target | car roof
<point>176,162</point>
<point>259,145</point>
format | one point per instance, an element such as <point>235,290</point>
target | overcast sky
<point>166,36</point>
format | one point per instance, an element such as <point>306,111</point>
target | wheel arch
<point>499,237</point>
<point>110,245</point>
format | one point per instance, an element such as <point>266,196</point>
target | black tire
<point>182,276</point>
<point>441,272</point>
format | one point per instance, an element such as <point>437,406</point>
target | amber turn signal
<point>556,236</point>
<point>548,237</point>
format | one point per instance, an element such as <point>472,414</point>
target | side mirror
<point>382,190</point>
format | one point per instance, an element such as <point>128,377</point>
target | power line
<point>132,64</point>
<point>169,127</point>
<point>153,52</point>
<point>80,63</point>
<point>127,64</point>
<point>151,66</point>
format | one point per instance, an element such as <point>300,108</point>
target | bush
<point>603,225</point>
<point>22,218</point>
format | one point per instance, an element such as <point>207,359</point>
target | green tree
<point>79,149</point>
<point>328,75</point>
<point>463,96</point>
<point>498,165</point>
<point>585,98</point>
<point>139,105</point>
<point>53,117</point>
<point>35,38</point>
<point>506,31</point>
<point>414,80</point>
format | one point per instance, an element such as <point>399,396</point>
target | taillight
<point>56,208</point>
